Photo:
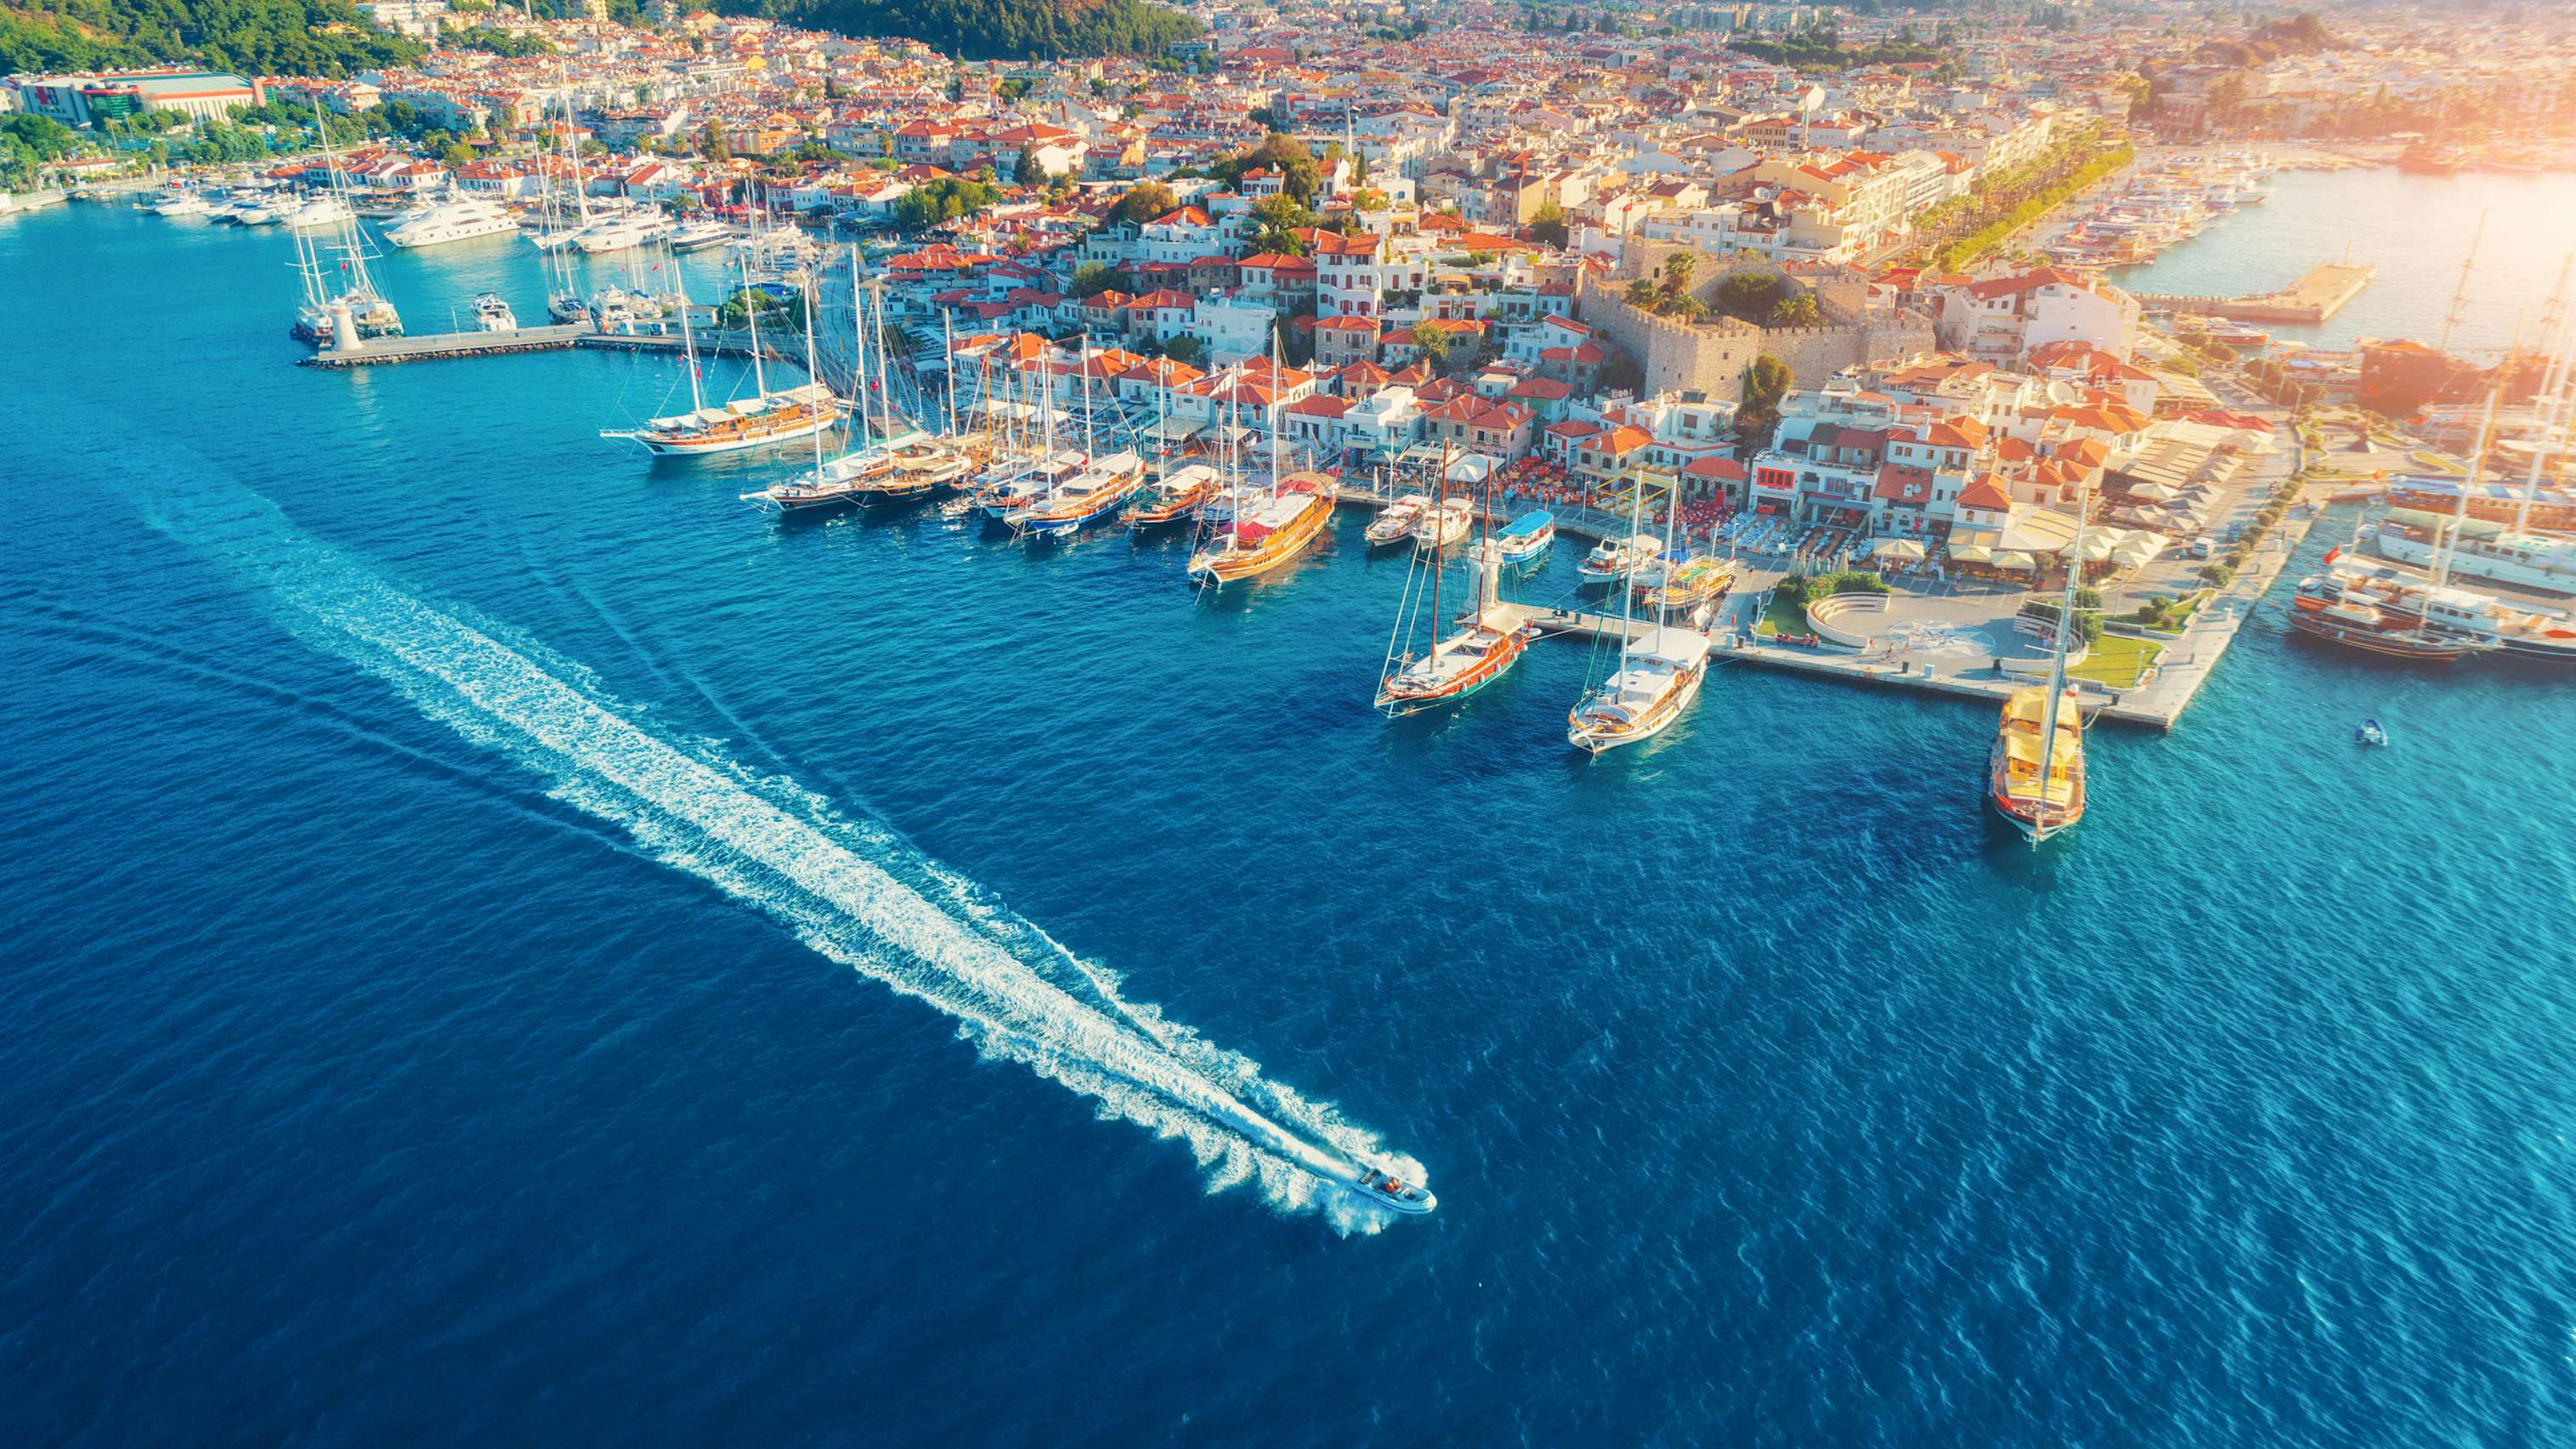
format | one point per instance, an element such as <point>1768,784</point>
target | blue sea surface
<point>506,944</point>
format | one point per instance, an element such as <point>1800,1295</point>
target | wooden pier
<point>2323,292</point>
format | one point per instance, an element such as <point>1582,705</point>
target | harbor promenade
<point>2326,289</point>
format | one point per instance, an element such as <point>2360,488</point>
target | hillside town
<point>1830,285</point>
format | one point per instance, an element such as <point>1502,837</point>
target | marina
<point>1765,729</point>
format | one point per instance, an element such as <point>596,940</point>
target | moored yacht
<point>1173,497</point>
<point>2035,770</point>
<point>461,218</point>
<point>1659,674</point>
<point>1099,490</point>
<point>1616,558</point>
<point>1445,524</point>
<point>493,314</point>
<point>1394,523</point>
<point>1267,530</point>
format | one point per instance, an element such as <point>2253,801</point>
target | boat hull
<point>1398,700</point>
<point>1219,567</point>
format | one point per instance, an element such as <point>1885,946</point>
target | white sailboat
<point>1659,670</point>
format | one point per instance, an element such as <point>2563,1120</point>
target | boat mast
<point>885,399</point>
<point>1439,532</point>
<point>1270,414</point>
<point>2057,666</point>
<point>812,374</point>
<point>751,313</point>
<point>689,344</point>
<point>948,356</point>
<point>2445,540</point>
<point>2551,436</point>
<point>858,345</point>
<point>1082,356</point>
<point>1672,564</point>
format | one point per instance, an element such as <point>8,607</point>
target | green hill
<point>1002,29</point>
<point>247,37</point>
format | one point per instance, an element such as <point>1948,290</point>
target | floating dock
<point>2323,292</point>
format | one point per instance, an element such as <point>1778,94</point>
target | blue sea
<point>2515,232</point>
<point>506,944</point>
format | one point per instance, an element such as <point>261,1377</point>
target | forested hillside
<point>247,37</point>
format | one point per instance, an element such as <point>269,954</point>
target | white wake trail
<point>836,882</point>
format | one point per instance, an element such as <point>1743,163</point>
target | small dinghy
<point>2370,733</point>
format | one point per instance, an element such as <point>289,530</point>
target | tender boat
<point>2370,733</point>
<point>1394,523</point>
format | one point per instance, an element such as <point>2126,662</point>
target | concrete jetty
<point>551,337</point>
<point>2311,299</point>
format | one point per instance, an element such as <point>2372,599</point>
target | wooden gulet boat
<point>1463,663</point>
<point>2035,768</point>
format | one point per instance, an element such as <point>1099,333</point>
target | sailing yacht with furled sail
<point>765,418</point>
<point>1261,531</point>
<point>1659,670</point>
<point>2035,768</point>
<point>1174,496</point>
<point>1458,665</point>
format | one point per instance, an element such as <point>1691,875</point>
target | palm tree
<point>1677,271</point>
<point>1642,293</point>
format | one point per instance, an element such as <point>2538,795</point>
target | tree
<point>1797,311</point>
<point>1643,293</point>
<point>1276,222</point>
<point>1185,349</point>
<point>1094,277</point>
<point>1765,383</point>
<point>1750,295</point>
<point>1434,342</point>
<point>1143,202</point>
<point>1030,171</point>
<point>1548,225</point>
<point>1677,272</point>
<point>714,146</point>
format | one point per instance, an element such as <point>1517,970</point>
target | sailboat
<point>368,313</point>
<point>2035,769</point>
<point>757,421</point>
<point>1263,531</point>
<point>1180,491</point>
<point>1477,654</point>
<point>1659,673</point>
<point>1102,486</point>
<point>2364,609</point>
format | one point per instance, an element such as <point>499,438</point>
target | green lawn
<point>1782,615</point>
<point>2118,661</point>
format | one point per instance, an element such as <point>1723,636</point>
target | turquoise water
<point>457,871</point>
<point>2416,230</point>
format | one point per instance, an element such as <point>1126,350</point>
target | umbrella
<point>1903,550</point>
<point>2158,492</point>
<point>2015,561</point>
<point>1972,553</point>
<point>2099,546</point>
<point>2137,549</point>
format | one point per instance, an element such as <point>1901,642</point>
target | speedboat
<point>493,314</point>
<point>1389,1191</point>
<point>2370,733</point>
